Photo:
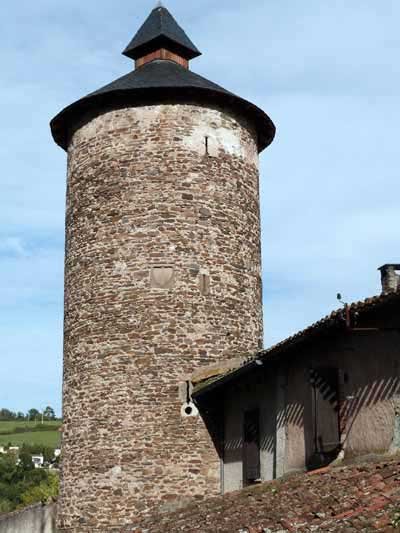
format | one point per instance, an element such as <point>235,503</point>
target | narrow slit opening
<point>204,283</point>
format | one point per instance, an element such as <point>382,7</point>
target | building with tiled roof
<point>328,392</point>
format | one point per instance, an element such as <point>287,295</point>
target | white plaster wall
<point>281,426</point>
<point>370,404</point>
<point>370,360</point>
<point>221,138</point>
<point>232,467</point>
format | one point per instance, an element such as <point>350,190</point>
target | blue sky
<point>328,74</point>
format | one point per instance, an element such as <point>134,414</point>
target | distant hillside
<point>17,433</point>
<point>363,497</point>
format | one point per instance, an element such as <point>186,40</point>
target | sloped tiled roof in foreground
<point>336,320</point>
<point>361,497</point>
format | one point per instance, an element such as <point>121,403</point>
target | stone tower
<point>162,276</point>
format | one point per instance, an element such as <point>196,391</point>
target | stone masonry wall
<point>162,277</point>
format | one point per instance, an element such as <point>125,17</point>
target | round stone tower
<point>162,276</point>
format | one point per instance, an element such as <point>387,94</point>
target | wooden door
<point>325,383</point>
<point>251,447</point>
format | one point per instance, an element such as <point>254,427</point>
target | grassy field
<point>10,426</point>
<point>43,438</point>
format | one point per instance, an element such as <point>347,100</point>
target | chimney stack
<point>390,278</point>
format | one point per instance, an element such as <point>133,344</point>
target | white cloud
<point>13,246</point>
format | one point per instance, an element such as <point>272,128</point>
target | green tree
<point>7,415</point>
<point>7,468</point>
<point>5,506</point>
<point>38,449</point>
<point>43,492</point>
<point>21,484</point>
<point>33,414</point>
<point>25,461</point>
<point>49,414</point>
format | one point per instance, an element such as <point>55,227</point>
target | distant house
<point>328,392</point>
<point>3,450</point>
<point>13,449</point>
<point>38,460</point>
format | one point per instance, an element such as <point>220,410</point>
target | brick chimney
<point>390,278</point>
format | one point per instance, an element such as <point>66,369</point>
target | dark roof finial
<point>161,30</point>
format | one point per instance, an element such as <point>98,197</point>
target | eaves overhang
<point>330,325</point>
<point>156,83</point>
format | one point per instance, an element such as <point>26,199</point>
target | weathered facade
<point>162,276</point>
<point>328,393</point>
<point>34,519</point>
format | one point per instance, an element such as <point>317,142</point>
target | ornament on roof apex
<point>159,4</point>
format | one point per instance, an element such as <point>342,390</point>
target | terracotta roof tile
<point>361,497</point>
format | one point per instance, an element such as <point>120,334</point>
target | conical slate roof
<point>162,75</point>
<point>156,82</point>
<point>159,30</point>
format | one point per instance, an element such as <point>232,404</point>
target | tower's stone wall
<point>162,276</point>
